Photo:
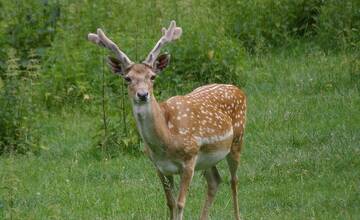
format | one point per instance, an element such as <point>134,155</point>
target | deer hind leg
<point>168,185</point>
<point>213,180</point>
<point>233,159</point>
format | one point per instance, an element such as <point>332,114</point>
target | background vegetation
<point>68,144</point>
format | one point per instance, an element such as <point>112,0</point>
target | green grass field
<point>301,157</point>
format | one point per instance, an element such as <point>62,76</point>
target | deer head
<point>139,77</point>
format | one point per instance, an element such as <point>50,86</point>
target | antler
<point>171,34</point>
<point>101,39</point>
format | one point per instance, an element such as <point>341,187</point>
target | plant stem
<point>103,94</point>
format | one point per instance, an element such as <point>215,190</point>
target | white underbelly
<point>207,160</point>
<point>203,161</point>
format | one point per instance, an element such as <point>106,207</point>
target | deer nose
<point>142,95</point>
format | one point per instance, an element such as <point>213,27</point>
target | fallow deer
<point>184,133</point>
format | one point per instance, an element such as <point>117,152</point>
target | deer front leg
<point>168,185</point>
<point>185,180</point>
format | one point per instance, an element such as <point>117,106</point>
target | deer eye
<point>153,77</point>
<point>127,79</point>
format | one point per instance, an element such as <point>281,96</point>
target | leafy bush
<point>266,24</point>
<point>339,24</point>
<point>18,132</point>
<point>27,25</point>
<point>114,140</point>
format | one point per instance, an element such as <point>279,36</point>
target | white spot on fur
<point>183,131</point>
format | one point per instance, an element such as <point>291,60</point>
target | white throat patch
<point>146,124</point>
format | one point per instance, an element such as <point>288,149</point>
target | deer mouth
<point>142,99</point>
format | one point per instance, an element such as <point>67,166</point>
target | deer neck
<point>151,124</point>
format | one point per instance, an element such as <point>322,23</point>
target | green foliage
<point>28,25</point>
<point>114,141</point>
<point>339,25</point>
<point>17,115</point>
<point>261,25</point>
<point>117,133</point>
<point>265,24</point>
<point>352,66</point>
<point>205,53</point>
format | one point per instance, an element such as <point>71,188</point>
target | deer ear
<point>161,62</point>
<point>115,65</point>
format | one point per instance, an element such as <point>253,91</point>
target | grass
<point>301,157</point>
